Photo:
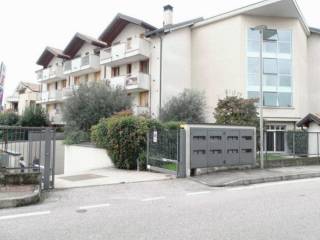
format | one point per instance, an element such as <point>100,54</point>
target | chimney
<point>167,15</point>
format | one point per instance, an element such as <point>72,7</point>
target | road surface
<point>172,209</point>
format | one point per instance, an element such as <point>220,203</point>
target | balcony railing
<point>139,82</point>
<point>82,64</point>
<point>56,118</point>
<point>51,73</point>
<point>51,96</point>
<point>69,92</point>
<point>140,110</point>
<point>135,50</point>
<point>132,83</point>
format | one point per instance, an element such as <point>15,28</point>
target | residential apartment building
<point>64,71</point>
<point>25,95</point>
<point>212,55</point>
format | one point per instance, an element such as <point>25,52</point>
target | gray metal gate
<point>218,147</point>
<point>24,149</point>
<point>165,149</point>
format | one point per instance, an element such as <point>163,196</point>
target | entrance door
<point>275,138</point>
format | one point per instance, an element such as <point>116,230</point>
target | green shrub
<point>34,116</point>
<point>172,125</point>
<point>235,110</point>
<point>9,118</point>
<point>125,138</point>
<point>99,133</point>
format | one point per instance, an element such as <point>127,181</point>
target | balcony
<point>82,65</point>
<point>137,49</point>
<point>139,110</point>
<point>50,74</point>
<point>13,98</point>
<point>68,92</point>
<point>51,96</point>
<point>56,118</point>
<point>138,82</point>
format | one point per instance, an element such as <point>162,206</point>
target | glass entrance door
<point>275,138</point>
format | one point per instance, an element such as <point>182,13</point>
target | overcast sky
<point>27,27</point>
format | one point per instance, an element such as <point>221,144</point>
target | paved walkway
<point>106,176</point>
<point>254,176</point>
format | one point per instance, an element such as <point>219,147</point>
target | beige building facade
<point>24,96</point>
<point>217,55</point>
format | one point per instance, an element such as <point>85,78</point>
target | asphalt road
<point>172,209</point>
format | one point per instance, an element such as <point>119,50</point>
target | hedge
<point>124,137</point>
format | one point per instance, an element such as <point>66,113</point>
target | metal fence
<point>28,150</point>
<point>289,148</point>
<point>163,150</point>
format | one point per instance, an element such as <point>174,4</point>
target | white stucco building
<point>25,95</point>
<point>212,55</point>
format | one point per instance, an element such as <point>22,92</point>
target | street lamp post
<point>261,30</point>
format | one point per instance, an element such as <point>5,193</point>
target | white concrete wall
<point>131,30</point>
<point>176,67</point>
<point>314,73</point>
<point>313,139</point>
<point>82,158</point>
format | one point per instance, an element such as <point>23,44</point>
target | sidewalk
<point>255,176</point>
<point>106,176</point>
<point>16,196</point>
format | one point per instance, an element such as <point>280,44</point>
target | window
<point>129,41</point>
<point>270,99</point>
<point>115,71</point>
<point>270,80</point>
<point>285,81</point>
<point>277,67</point>
<point>86,78</point>
<point>253,65</point>
<point>97,76</point>
<point>64,83</point>
<point>270,66</point>
<point>143,99</point>
<point>129,69</point>
<point>77,81</point>
<point>270,47</point>
<point>284,66</point>
<point>144,66</point>
<point>56,85</point>
<point>275,138</point>
<point>285,99</point>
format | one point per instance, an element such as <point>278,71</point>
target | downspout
<point>160,75</point>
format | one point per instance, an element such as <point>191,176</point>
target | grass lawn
<point>170,166</point>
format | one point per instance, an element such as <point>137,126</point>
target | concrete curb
<point>28,199</point>
<point>246,182</point>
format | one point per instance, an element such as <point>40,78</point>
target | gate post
<point>181,168</point>
<point>47,156</point>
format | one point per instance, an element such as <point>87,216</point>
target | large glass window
<point>277,67</point>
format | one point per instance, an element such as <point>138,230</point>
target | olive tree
<point>88,105</point>
<point>235,110</point>
<point>187,107</point>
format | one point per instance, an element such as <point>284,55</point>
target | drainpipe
<point>160,75</point>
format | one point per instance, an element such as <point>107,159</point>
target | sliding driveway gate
<point>28,150</point>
